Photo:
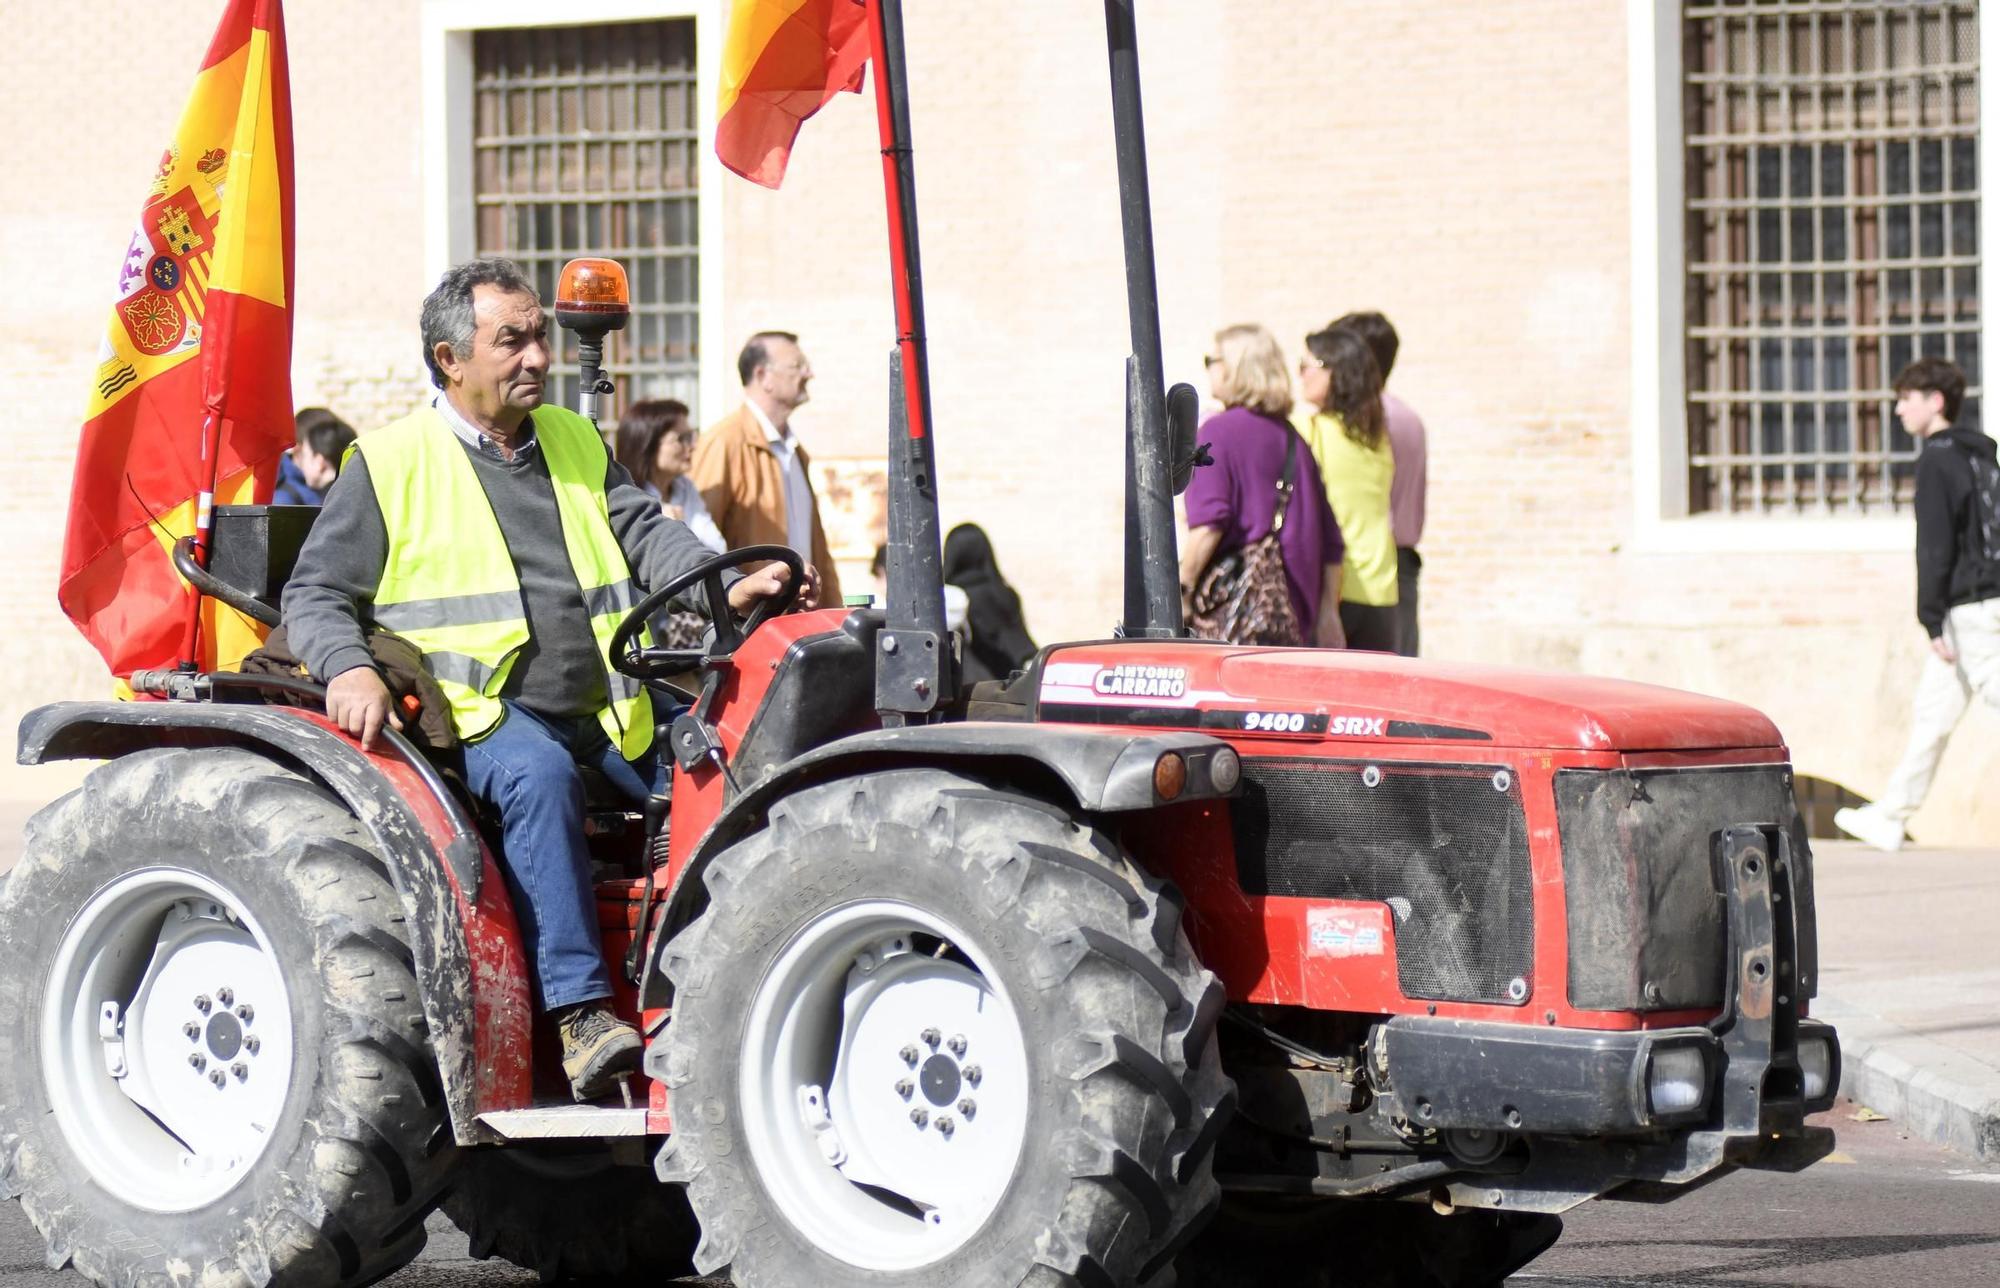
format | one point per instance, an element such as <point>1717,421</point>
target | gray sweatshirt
<point>559,672</point>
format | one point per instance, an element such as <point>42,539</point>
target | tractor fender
<point>1097,771</point>
<point>463,934</point>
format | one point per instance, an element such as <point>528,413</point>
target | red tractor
<point>1162,956</point>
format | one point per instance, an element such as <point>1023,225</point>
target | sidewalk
<point>1910,975</point>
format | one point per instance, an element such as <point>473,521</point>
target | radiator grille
<point>1445,846</point>
<point>1646,928</point>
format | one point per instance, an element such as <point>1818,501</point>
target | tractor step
<point>555,1122</point>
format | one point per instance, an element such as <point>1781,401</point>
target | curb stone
<point>1929,1089</point>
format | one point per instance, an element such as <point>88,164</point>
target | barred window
<point>1832,213</point>
<point>585,143</point>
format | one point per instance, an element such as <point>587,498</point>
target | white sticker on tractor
<point>1090,684</point>
<point>1343,932</point>
<point>1359,726</point>
<point>1142,681</point>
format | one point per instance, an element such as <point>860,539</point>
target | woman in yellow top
<point>1342,421</point>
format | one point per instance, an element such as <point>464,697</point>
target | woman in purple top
<point>1230,503</point>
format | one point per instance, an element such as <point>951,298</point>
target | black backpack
<point>1985,502</point>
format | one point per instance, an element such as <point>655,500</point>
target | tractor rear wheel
<point>929,1032</point>
<point>219,1070</point>
<point>572,1215</point>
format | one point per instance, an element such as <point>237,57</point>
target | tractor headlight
<point>1677,1081</point>
<point>1815,1065</point>
<point>1225,770</point>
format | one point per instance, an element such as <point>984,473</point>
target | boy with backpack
<point>1958,589</point>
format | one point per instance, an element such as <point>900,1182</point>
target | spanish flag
<point>191,402</point>
<point>781,61</point>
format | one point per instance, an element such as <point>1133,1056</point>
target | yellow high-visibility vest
<point>449,585</point>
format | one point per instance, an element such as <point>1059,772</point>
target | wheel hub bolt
<point>226,996</point>
<point>253,1044</point>
<point>909,1054</point>
<point>215,1076</point>
<point>945,1125</point>
<point>931,1038</point>
<point>197,1062</point>
<point>972,1074</point>
<point>240,1069</point>
<point>245,1013</point>
<point>192,1030</point>
<point>966,1109</point>
<point>920,1116</point>
<point>904,1087</point>
<point>957,1044</point>
<point>201,1003</point>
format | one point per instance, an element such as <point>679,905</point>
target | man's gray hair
<point>448,308</point>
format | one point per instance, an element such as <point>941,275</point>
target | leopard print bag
<point>1243,598</point>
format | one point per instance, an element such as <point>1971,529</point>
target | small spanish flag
<point>200,336</point>
<point>781,61</point>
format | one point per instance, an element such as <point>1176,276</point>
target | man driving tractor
<point>498,536</point>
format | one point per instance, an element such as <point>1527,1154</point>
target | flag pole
<point>204,524</point>
<point>916,667</point>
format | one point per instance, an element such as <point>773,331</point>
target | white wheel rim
<point>161,983</point>
<point>831,1097</point>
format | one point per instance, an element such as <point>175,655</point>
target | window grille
<point>585,143</point>
<point>1832,214</point>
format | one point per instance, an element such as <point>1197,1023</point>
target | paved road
<point>1883,1210</point>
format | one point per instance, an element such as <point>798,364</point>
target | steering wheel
<point>651,663</point>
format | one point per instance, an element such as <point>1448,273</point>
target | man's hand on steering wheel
<point>771,580</point>
<point>772,589</point>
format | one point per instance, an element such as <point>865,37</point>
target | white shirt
<point>694,512</point>
<point>798,493</point>
<point>471,435</point>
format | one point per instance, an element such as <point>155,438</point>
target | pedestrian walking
<point>1958,590</point>
<point>751,467</point>
<point>655,444</point>
<point>1408,491</point>
<point>1262,563</point>
<point>1342,423</point>
<point>320,439</point>
<point>1000,644</point>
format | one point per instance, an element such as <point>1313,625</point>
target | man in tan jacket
<point>751,468</point>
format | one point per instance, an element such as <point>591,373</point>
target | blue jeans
<point>527,770</point>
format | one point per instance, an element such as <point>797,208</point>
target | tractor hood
<point>1376,697</point>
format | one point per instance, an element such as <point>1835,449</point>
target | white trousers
<point>1945,690</point>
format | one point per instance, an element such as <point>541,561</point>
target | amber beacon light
<point>592,298</point>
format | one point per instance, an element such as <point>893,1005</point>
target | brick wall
<point>1461,166</point>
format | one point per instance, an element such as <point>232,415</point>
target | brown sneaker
<point>597,1048</point>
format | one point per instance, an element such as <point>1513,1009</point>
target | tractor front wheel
<point>930,1032</point>
<point>217,1068</point>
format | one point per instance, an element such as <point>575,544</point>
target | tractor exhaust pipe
<point>1153,436</point>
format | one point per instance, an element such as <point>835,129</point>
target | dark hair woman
<point>655,444</point>
<point>1343,423</point>
<point>1000,644</point>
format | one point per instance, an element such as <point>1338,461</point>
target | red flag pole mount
<point>892,114</point>
<point>204,525</point>
<point>916,671</point>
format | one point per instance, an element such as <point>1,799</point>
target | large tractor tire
<point>217,1070</point>
<point>931,1033</point>
<point>572,1215</point>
